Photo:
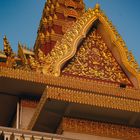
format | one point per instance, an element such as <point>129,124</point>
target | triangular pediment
<point>126,71</point>
<point>94,60</point>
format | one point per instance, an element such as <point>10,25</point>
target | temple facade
<point>80,82</point>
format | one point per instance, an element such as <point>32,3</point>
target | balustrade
<point>17,134</point>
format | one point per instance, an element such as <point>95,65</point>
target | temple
<point>80,82</point>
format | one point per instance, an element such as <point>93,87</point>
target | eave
<point>16,84</point>
<point>70,83</point>
<point>69,91</point>
<point>57,102</point>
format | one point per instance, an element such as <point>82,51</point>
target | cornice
<point>86,98</point>
<point>93,99</point>
<point>72,83</point>
<point>19,74</point>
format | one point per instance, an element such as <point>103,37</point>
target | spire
<point>7,48</point>
<point>57,17</point>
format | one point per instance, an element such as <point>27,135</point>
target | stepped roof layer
<point>90,66</point>
<point>57,17</point>
<point>90,49</point>
<point>82,83</point>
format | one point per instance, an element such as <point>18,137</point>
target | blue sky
<point>19,20</point>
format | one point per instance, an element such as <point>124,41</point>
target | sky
<point>19,20</point>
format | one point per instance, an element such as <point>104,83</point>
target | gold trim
<point>98,129</point>
<point>103,66</point>
<point>22,75</point>
<point>21,54</point>
<point>71,82</point>
<point>93,99</point>
<point>94,86</point>
<point>66,49</point>
<point>99,97</point>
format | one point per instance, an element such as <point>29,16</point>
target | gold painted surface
<point>7,48</point>
<point>22,75</point>
<point>71,12</point>
<point>66,48</point>
<point>22,55</point>
<point>94,99</point>
<point>53,15</point>
<point>71,83</point>
<point>101,95</point>
<point>71,3</point>
<point>94,60</point>
<point>10,61</point>
<point>98,129</point>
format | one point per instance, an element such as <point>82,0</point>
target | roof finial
<point>97,7</point>
<point>7,48</point>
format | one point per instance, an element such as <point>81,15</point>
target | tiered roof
<point>87,70</point>
<point>57,17</point>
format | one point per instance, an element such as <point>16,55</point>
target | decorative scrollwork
<point>94,60</point>
<point>66,48</point>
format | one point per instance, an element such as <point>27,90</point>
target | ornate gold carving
<point>22,75</point>
<point>66,26</point>
<point>55,17</point>
<point>51,17</point>
<point>10,62</point>
<point>66,48</point>
<point>2,54</point>
<point>22,55</point>
<point>133,62</point>
<point>93,98</point>
<point>99,129</point>
<point>94,60</point>
<point>41,37</point>
<point>33,63</point>
<point>127,56</point>
<point>57,5</point>
<point>71,13</point>
<point>7,48</point>
<point>71,82</point>
<point>38,62</point>
<point>70,3</point>
<point>97,8</point>
<point>101,95</point>
<point>44,22</point>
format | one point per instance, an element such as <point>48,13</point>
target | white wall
<point>26,114</point>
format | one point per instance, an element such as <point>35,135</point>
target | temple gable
<point>93,60</point>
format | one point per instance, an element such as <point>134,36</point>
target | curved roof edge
<point>67,47</point>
